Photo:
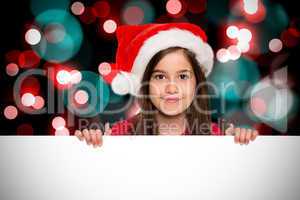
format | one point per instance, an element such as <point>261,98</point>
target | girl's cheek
<point>187,88</point>
<point>155,90</point>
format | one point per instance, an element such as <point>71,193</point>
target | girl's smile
<point>171,98</point>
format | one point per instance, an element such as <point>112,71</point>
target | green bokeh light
<point>66,47</point>
<point>40,6</point>
<point>97,90</point>
<point>233,78</point>
<point>149,12</point>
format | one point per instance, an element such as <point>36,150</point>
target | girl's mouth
<point>171,99</point>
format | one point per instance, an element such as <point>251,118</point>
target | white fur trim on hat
<point>171,38</point>
<point>125,83</point>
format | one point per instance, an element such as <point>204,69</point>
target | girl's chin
<point>170,112</point>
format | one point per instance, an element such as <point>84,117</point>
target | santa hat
<point>137,44</point>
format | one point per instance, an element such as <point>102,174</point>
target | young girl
<point>165,66</point>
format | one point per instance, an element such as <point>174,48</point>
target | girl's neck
<point>171,125</point>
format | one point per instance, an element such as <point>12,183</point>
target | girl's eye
<point>159,76</point>
<point>184,76</point>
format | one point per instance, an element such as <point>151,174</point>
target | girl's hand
<point>93,137</point>
<point>241,135</point>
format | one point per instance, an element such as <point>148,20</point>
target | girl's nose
<point>171,88</point>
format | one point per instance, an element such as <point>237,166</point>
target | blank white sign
<point>149,168</point>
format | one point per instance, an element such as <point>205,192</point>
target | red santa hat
<point>137,44</point>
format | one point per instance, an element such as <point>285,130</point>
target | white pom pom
<point>125,83</point>
<point>206,58</point>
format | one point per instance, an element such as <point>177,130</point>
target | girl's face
<point>172,84</point>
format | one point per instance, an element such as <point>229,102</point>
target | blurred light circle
<point>223,55</point>
<point>12,56</point>
<point>110,26</point>
<point>101,8</point>
<point>88,16</point>
<point>275,45</point>
<point>12,69</point>
<point>138,12</point>
<point>28,59</point>
<point>243,46</point>
<point>63,77</point>
<point>244,35</point>
<point>289,39</point>
<point>77,8</point>
<point>58,123</point>
<point>258,106</point>
<point>10,112</point>
<point>63,36</point>
<point>25,129</point>
<point>62,132</point>
<point>197,7</point>
<point>232,32</point>
<point>251,6</point>
<point>33,36</point>
<point>39,102</point>
<point>233,78</point>
<point>173,7</point>
<point>28,99</point>
<point>104,68</point>
<point>30,85</point>
<point>133,15</point>
<point>75,76</point>
<point>234,52</point>
<point>54,33</point>
<point>81,97</point>
<point>98,95</point>
<point>40,6</point>
<point>257,13</point>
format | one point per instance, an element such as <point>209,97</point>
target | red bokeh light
<point>25,129</point>
<point>30,85</point>
<point>28,59</point>
<point>12,69</point>
<point>10,112</point>
<point>101,9</point>
<point>197,7</point>
<point>39,103</point>
<point>12,56</point>
<point>88,16</point>
<point>58,123</point>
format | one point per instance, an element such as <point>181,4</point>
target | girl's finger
<point>254,135</point>
<point>93,137</point>
<point>99,137</point>
<point>243,136</point>
<point>107,129</point>
<point>248,135</point>
<point>237,132</point>
<point>87,136</point>
<point>230,130</point>
<point>79,135</point>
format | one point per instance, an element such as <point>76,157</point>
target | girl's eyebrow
<point>184,70</point>
<point>180,71</point>
<point>158,70</point>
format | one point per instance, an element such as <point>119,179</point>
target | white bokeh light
<point>33,36</point>
<point>63,77</point>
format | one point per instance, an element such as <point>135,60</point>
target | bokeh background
<point>66,43</point>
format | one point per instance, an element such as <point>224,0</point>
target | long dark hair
<point>145,122</point>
